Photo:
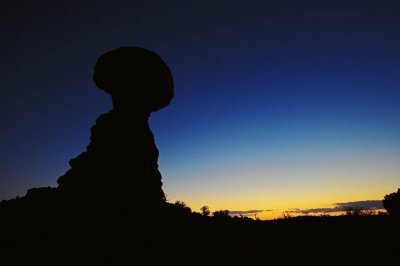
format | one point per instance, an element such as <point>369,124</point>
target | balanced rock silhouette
<point>119,169</point>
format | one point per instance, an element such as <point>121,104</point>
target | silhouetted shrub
<point>205,211</point>
<point>358,211</point>
<point>221,214</point>
<point>391,203</point>
<point>286,215</point>
<point>182,207</point>
<point>353,211</point>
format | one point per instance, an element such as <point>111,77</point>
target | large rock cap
<point>135,76</point>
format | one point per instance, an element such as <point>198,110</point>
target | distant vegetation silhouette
<point>391,203</point>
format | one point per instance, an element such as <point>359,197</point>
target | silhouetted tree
<point>391,203</point>
<point>205,211</point>
<point>181,206</point>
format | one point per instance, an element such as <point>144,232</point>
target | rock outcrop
<point>119,168</point>
<point>109,208</point>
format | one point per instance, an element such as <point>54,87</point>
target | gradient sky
<point>278,104</point>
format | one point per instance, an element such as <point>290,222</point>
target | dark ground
<point>177,237</point>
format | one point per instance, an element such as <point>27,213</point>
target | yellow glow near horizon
<point>308,183</point>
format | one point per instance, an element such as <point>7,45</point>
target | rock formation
<point>109,207</point>
<point>119,168</point>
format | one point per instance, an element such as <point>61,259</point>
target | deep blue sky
<point>279,104</point>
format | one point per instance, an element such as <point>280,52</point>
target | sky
<point>279,105</point>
